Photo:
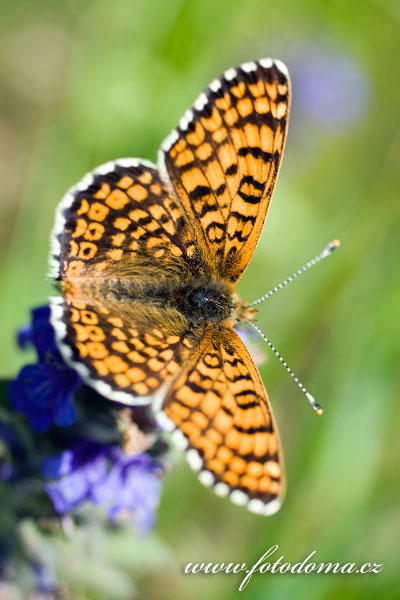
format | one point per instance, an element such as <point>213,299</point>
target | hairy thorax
<point>200,301</point>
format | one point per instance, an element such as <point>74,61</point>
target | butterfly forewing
<point>224,157</point>
<point>117,220</point>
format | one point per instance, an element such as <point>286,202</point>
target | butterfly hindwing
<point>127,353</point>
<point>224,158</point>
<point>219,412</point>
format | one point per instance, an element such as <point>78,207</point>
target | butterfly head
<point>205,302</point>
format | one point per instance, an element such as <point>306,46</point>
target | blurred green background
<point>86,82</point>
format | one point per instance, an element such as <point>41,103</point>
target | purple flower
<point>39,334</point>
<point>43,392</point>
<point>103,475</point>
<point>132,486</point>
<point>88,470</point>
<point>329,87</point>
<point>78,471</point>
<point>24,336</point>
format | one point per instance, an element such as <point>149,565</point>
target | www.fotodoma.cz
<point>279,566</point>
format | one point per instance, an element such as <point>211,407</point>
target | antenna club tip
<point>314,404</point>
<point>334,245</point>
<point>331,247</point>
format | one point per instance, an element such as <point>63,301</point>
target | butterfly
<point>147,257</point>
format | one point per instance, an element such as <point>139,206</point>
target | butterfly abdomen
<point>200,301</point>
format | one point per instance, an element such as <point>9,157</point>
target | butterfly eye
<point>198,299</point>
<point>208,304</point>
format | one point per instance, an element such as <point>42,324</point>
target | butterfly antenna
<point>327,251</point>
<point>314,404</point>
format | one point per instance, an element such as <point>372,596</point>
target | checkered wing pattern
<point>218,410</point>
<point>116,233</point>
<point>128,353</point>
<point>118,219</point>
<point>224,158</point>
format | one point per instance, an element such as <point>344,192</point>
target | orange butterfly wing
<point>218,410</point>
<point>116,233</point>
<point>224,158</point>
<point>118,220</point>
<point>128,353</point>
